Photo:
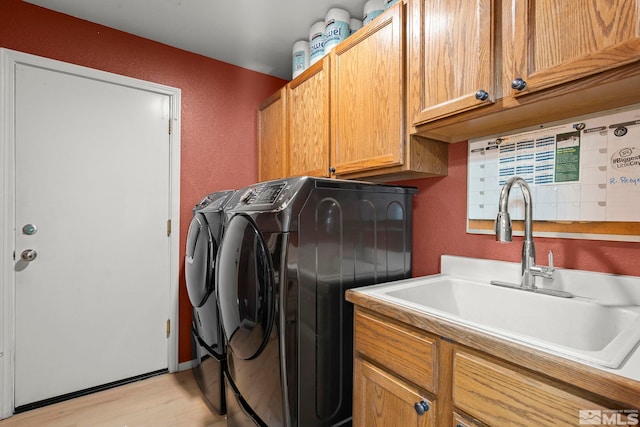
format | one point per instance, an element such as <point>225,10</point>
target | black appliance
<point>291,249</point>
<point>203,240</point>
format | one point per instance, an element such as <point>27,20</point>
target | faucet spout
<point>503,234</point>
<point>504,230</point>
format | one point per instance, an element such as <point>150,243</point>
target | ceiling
<point>253,34</point>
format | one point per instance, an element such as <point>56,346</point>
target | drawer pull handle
<point>421,407</point>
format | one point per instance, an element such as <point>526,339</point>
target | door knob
<point>28,254</point>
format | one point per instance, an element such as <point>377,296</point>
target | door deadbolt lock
<point>29,255</point>
<point>29,229</point>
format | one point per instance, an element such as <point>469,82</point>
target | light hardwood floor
<point>168,400</point>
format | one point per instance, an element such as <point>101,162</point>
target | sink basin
<point>577,328</point>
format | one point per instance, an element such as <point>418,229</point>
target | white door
<point>92,200</point>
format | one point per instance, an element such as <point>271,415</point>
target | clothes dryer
<point>291,249</point>
<point>203,240</point>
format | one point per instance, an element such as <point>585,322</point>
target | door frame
<point>8,61</point>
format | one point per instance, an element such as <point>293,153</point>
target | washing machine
<point>292,247</point>
<point>203,240</point>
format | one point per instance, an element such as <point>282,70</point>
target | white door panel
<point>93,175</point>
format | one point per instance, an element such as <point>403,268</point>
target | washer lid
<point>198,266</point>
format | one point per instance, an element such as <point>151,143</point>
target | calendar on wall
<point>583,169</point>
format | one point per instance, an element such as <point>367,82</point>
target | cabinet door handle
<point>421,407</point>
<point>332,170</point>
<point>482,95</point>
<point>518,84</point>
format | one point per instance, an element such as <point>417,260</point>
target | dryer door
<point>245,288</point>
<point>198,268</point>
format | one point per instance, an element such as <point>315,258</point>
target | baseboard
<point>84,392</point>
<point>184,366</point>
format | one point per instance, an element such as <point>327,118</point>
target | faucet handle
<point>545,271</point>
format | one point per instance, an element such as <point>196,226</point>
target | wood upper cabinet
<point>451,57</point>
<point>272,137</point>
<point>346,114</point>
<point>559,41</point>
<point>308,100</point>
<point>367,97</point>
<point>565,59</point>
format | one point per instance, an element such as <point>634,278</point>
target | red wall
<point>440,228</point>
<point>219,102</point>
<point>218,151</point>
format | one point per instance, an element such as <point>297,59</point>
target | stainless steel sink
<point>576,328</point>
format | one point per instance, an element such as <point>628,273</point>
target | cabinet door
<point>272,137</point>
<point>558,41</point>
<point>382,400</point>
<point>308,99</point>
<point>367,96</point>
<point>451,57</point>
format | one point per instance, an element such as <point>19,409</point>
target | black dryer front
<point>203,240</point>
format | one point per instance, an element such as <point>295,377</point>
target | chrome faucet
<point>503,234</point>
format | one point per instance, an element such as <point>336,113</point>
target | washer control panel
<point>263,195</point>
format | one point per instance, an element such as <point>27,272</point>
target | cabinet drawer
<point>499,395</point>
<point>403,351</point>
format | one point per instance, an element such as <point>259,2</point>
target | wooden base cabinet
<point>406,376</point>
<point>383,400</point>
<point>394,383</point>
<point>460,420</point>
